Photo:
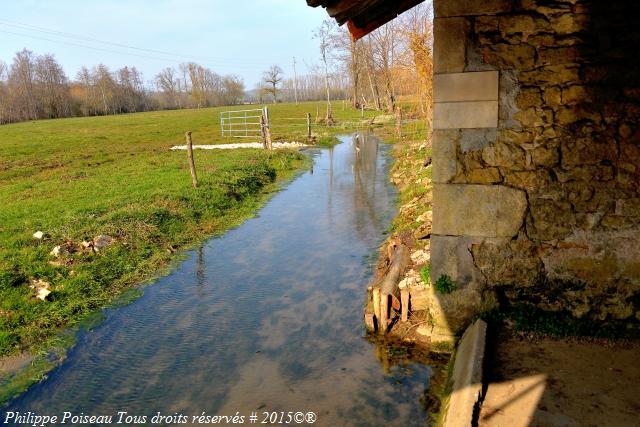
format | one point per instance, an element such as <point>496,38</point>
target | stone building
<point>536,150</point>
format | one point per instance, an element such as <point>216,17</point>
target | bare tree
<point>324,34</point>
<point>272,79</point>
<point>233,90</point>
<point>22,85</point>
<point>5,114</point>
<point>168,83</point>
<point>51,88</point>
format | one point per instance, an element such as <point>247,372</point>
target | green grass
<point>444,284</point>
<point>77,178</point>
<point>425,274</point>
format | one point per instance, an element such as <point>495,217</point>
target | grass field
<point>78,178</point>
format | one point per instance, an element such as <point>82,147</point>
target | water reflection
<point>267,317</point>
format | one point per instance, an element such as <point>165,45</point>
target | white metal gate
<point>241,123</point>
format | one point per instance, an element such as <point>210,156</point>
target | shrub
<point>445,285</point>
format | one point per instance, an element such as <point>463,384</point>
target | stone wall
<point>536,153</point>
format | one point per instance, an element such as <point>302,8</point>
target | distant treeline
<point>36,87</point>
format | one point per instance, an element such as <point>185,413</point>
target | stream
<point>266,318</point>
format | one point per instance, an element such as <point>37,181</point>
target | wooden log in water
<point>389,288</point>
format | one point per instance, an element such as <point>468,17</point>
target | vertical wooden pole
<point>404,300</point>
<point>384,313</point>
<point>309,127</point>
<point>399,121</point>
<point>369,321</point>
<point>263,131</point>
<point>362,111</point>
<point>192,166</point>
<point>267,128</point>
<point>376,304</point>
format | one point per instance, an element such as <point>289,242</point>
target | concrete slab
<point>456,87</point>
<point>467,376</point>
<point>465,115</point>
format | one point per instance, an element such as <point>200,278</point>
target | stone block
<point>447,8</point>
<point>465,115</point>
<point>449,45</point>
<point>450,255</point>
<point>507,56</point>
<point>484,176</point>
<point>512,24</point>
<point>444,154</point>
<point>477,86</point>
<point>476,139</point>
<point>477,210</point>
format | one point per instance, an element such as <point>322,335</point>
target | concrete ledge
<point>475,86</point>
<point>465,115</point>
<point>467,376</point>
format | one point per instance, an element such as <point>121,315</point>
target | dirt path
<point>548,382</point>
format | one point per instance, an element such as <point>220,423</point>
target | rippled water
<point>266,318</point>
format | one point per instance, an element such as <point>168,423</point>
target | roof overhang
<point>364,16</point>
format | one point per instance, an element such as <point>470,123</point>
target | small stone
<point>59,251</point>
<point>420,257</point>
<point>102,241</point>
<point>41,287</point>
<point>425,217</point>
<point>38,235</point>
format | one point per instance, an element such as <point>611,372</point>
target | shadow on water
<point>267,317</point>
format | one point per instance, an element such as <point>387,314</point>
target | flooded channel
<point>266,318</point>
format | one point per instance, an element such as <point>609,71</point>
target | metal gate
<point>241,123</point>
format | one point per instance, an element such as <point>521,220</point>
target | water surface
<point>266,318</point>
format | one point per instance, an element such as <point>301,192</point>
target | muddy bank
<point>11,365</point>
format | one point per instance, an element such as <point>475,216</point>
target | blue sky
<point>242,37</point>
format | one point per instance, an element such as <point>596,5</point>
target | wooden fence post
<point>263,131</point>
<point>399,122</point>
<point>376,305</point>
<point>309,127</point>
<point>192,166</point>
<point>267,128</point>
<point>404,303</point>
<point>362,110</point>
